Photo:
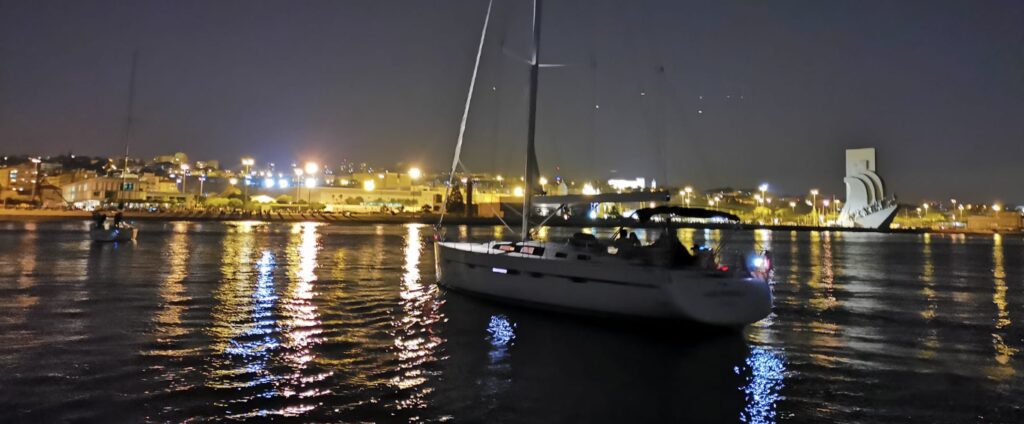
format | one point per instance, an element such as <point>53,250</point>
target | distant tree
<point>235,203</point>
<point>283,199</point>
<point>217,202</point>
<point>455,202</point>
<point>317,206</point>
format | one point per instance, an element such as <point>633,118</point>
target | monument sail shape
<point>867,205</point>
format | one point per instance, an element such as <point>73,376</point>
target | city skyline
<point>735,99</point>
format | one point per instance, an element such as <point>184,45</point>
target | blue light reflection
<point>764,385</point>
<point>501,331</point>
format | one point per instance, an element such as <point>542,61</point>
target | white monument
<point>866,203</point>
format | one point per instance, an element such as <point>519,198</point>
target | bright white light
<point>310,182</point>
<point>500,270</point>
<point>589,189</point>
<point>298,172</point>
<point>620,184</point>
<point>763,187</point>
<point>369,185</point>
<point>268,183</point>
<point>518,192</point>
<point>758,262</point>
<point>593,214</point>
<point>543,181</point>
<point>233,181</point>
<point>415,173</point>
<point>282,183</point>
<point>311,168</point>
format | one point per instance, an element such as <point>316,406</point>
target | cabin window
<point>583,257</point>
<point>560,255</point>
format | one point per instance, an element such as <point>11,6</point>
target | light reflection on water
<point>327,323</point>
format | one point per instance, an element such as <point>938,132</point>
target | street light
<point>764,190</point>
<point>298,182</point>
<point>814,203</point>
<point>415,173</point>
<point>686,194</point>
<point>247,162</point>
<point>369,185</point>
<point>184,179</point>
<point>311,168</point>
<point>35,177</point>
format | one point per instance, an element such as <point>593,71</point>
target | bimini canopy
<point>645,214</point>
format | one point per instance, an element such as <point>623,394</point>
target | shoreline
<point>419,218</point>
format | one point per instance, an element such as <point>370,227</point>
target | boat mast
<point>531,154</point>
<point>129,119</point>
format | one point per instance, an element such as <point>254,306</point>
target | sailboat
<point>663,280</point>
<point>118,230</point>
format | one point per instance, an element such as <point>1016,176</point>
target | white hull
<point>607,287</point>
<point>124,233</point>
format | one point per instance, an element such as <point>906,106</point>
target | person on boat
<point>634,240</point>
<point>98,219</point>
<point>625,243</point>
<point>672,249</point>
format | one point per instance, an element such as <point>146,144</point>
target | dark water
<point>208,321</point>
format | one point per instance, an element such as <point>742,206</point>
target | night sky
<point>708,93</point>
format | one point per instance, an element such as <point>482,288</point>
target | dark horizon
<point>733,93</point>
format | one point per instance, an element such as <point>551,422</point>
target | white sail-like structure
<point>867,205</point>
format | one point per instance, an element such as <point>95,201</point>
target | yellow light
<point>518,192</point>
<point>589,189</point>
<point>312,168</point>
<point>415,173</point>
<point>543,181</point>
<point>997,207</point>
<point>184,167</point>
<point>310,182</point>
<point>688,189</point>
<point>369,185</point>
<point>248,161</point>
<point>814,192</point>
<point>499,178</point>
<point>233,181</point>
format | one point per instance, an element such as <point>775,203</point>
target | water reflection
<point>1003,352</point>
<point>172,291</point>
<point>299,326</point>
<point>930,341</point>
<point>415,337</point>
<point>765,369</point>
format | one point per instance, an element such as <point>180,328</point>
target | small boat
<point>111,233</point>
<point>662,280</point>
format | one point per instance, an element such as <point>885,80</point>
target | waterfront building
<point>136,191</point>
<point>1003,221</point>
<point>372,199</point>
